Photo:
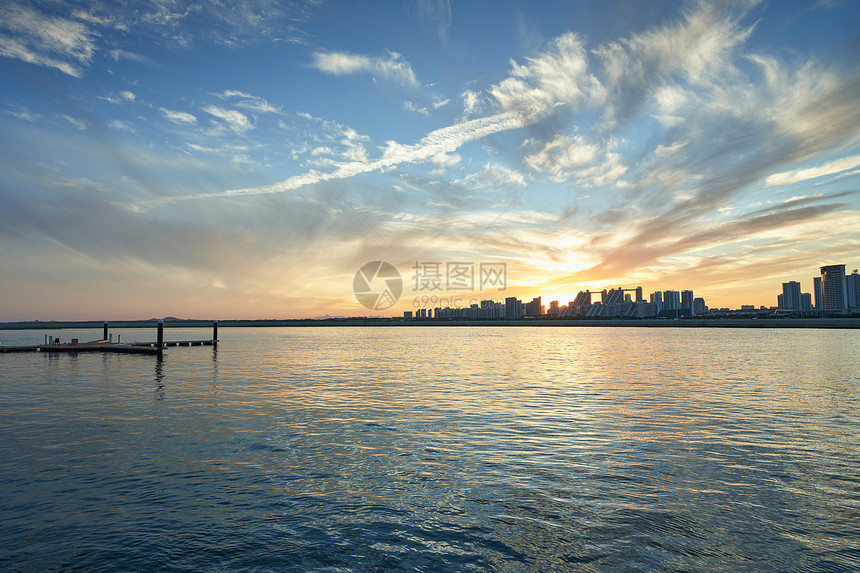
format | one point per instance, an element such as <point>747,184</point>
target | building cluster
<point>613,303</point>
<point>834,292</point>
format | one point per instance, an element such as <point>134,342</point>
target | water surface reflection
<point>417,448</point>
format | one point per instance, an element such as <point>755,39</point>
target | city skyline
<point>834,292</point>
<point>246,160</point>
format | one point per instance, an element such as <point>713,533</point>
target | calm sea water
<point>435,449</point>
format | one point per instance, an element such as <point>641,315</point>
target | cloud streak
<point>798,175</point>
<point>430,148</point>
<point>47,41</point>
<point>250,102</point>
<point>392,68</point>
<point>235,120</point>
<point>179,117</point>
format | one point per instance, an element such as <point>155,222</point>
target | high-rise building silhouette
<point>656,298</point>
<point>512,307</point>
<point>816,292</point>
<point>671,299</point>
<point>533,308</point>
<point>852,288</point>
<point>613,296</point>
<point>582,298</point>
<point>791,296</point>
<point>834,294</point>
<point>687,299</point>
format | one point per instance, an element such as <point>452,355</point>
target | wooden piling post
<point>215,332</point>
<point>105,334</point>
<point>159,344</point>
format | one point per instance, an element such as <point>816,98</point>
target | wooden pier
<point>107,345</point>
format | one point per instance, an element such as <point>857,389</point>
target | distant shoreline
<point>849,323</point>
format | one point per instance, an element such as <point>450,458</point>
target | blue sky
<point>196,160</point>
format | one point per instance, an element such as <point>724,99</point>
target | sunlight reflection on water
<point>438,448</point>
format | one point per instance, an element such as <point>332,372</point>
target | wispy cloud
<point>122,97</point>
<point>436,14</point>
<point>559,76</point>
<point>471,102</point>
<point>392,68</point>
<point>48,41</point>
<point>798,175</point>
<point>79,124</point>
<point>22,113</point>
<point>179,117</point>
<point>235,120</point>
<point>236,154</point>
<point>775,226</point>
<point>249,102</point>
<point>67,38</point>
<point>101,20</point>
<point>492,176</point>
<point>121,125</point>
<point>343,143</point>
<point>117,55</point>
<point>442,141</point>
<point>415,108</point>
<point>561,154</point>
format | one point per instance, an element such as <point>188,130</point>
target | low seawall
<point>641,323</point>
<point>627,323</point>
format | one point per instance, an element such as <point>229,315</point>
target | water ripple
<point>409,449</point>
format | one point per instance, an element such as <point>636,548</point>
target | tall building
<point>687,299</point>
<point>852,287</point>
<point>791,296</point>
<point>512,307</point>
<point>533,308</point>
<point>613,296</point>
<point>656,299</point>
<point>671,299</point>
<point>639,297</point>
<point>816,292</point>
<point>834,294</point>
<point>580,305</point>
<point>492,309</point>
<point>582,298</point>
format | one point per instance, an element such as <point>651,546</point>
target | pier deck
<point>105,346</point>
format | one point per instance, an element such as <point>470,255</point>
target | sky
<point>247,159</point>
